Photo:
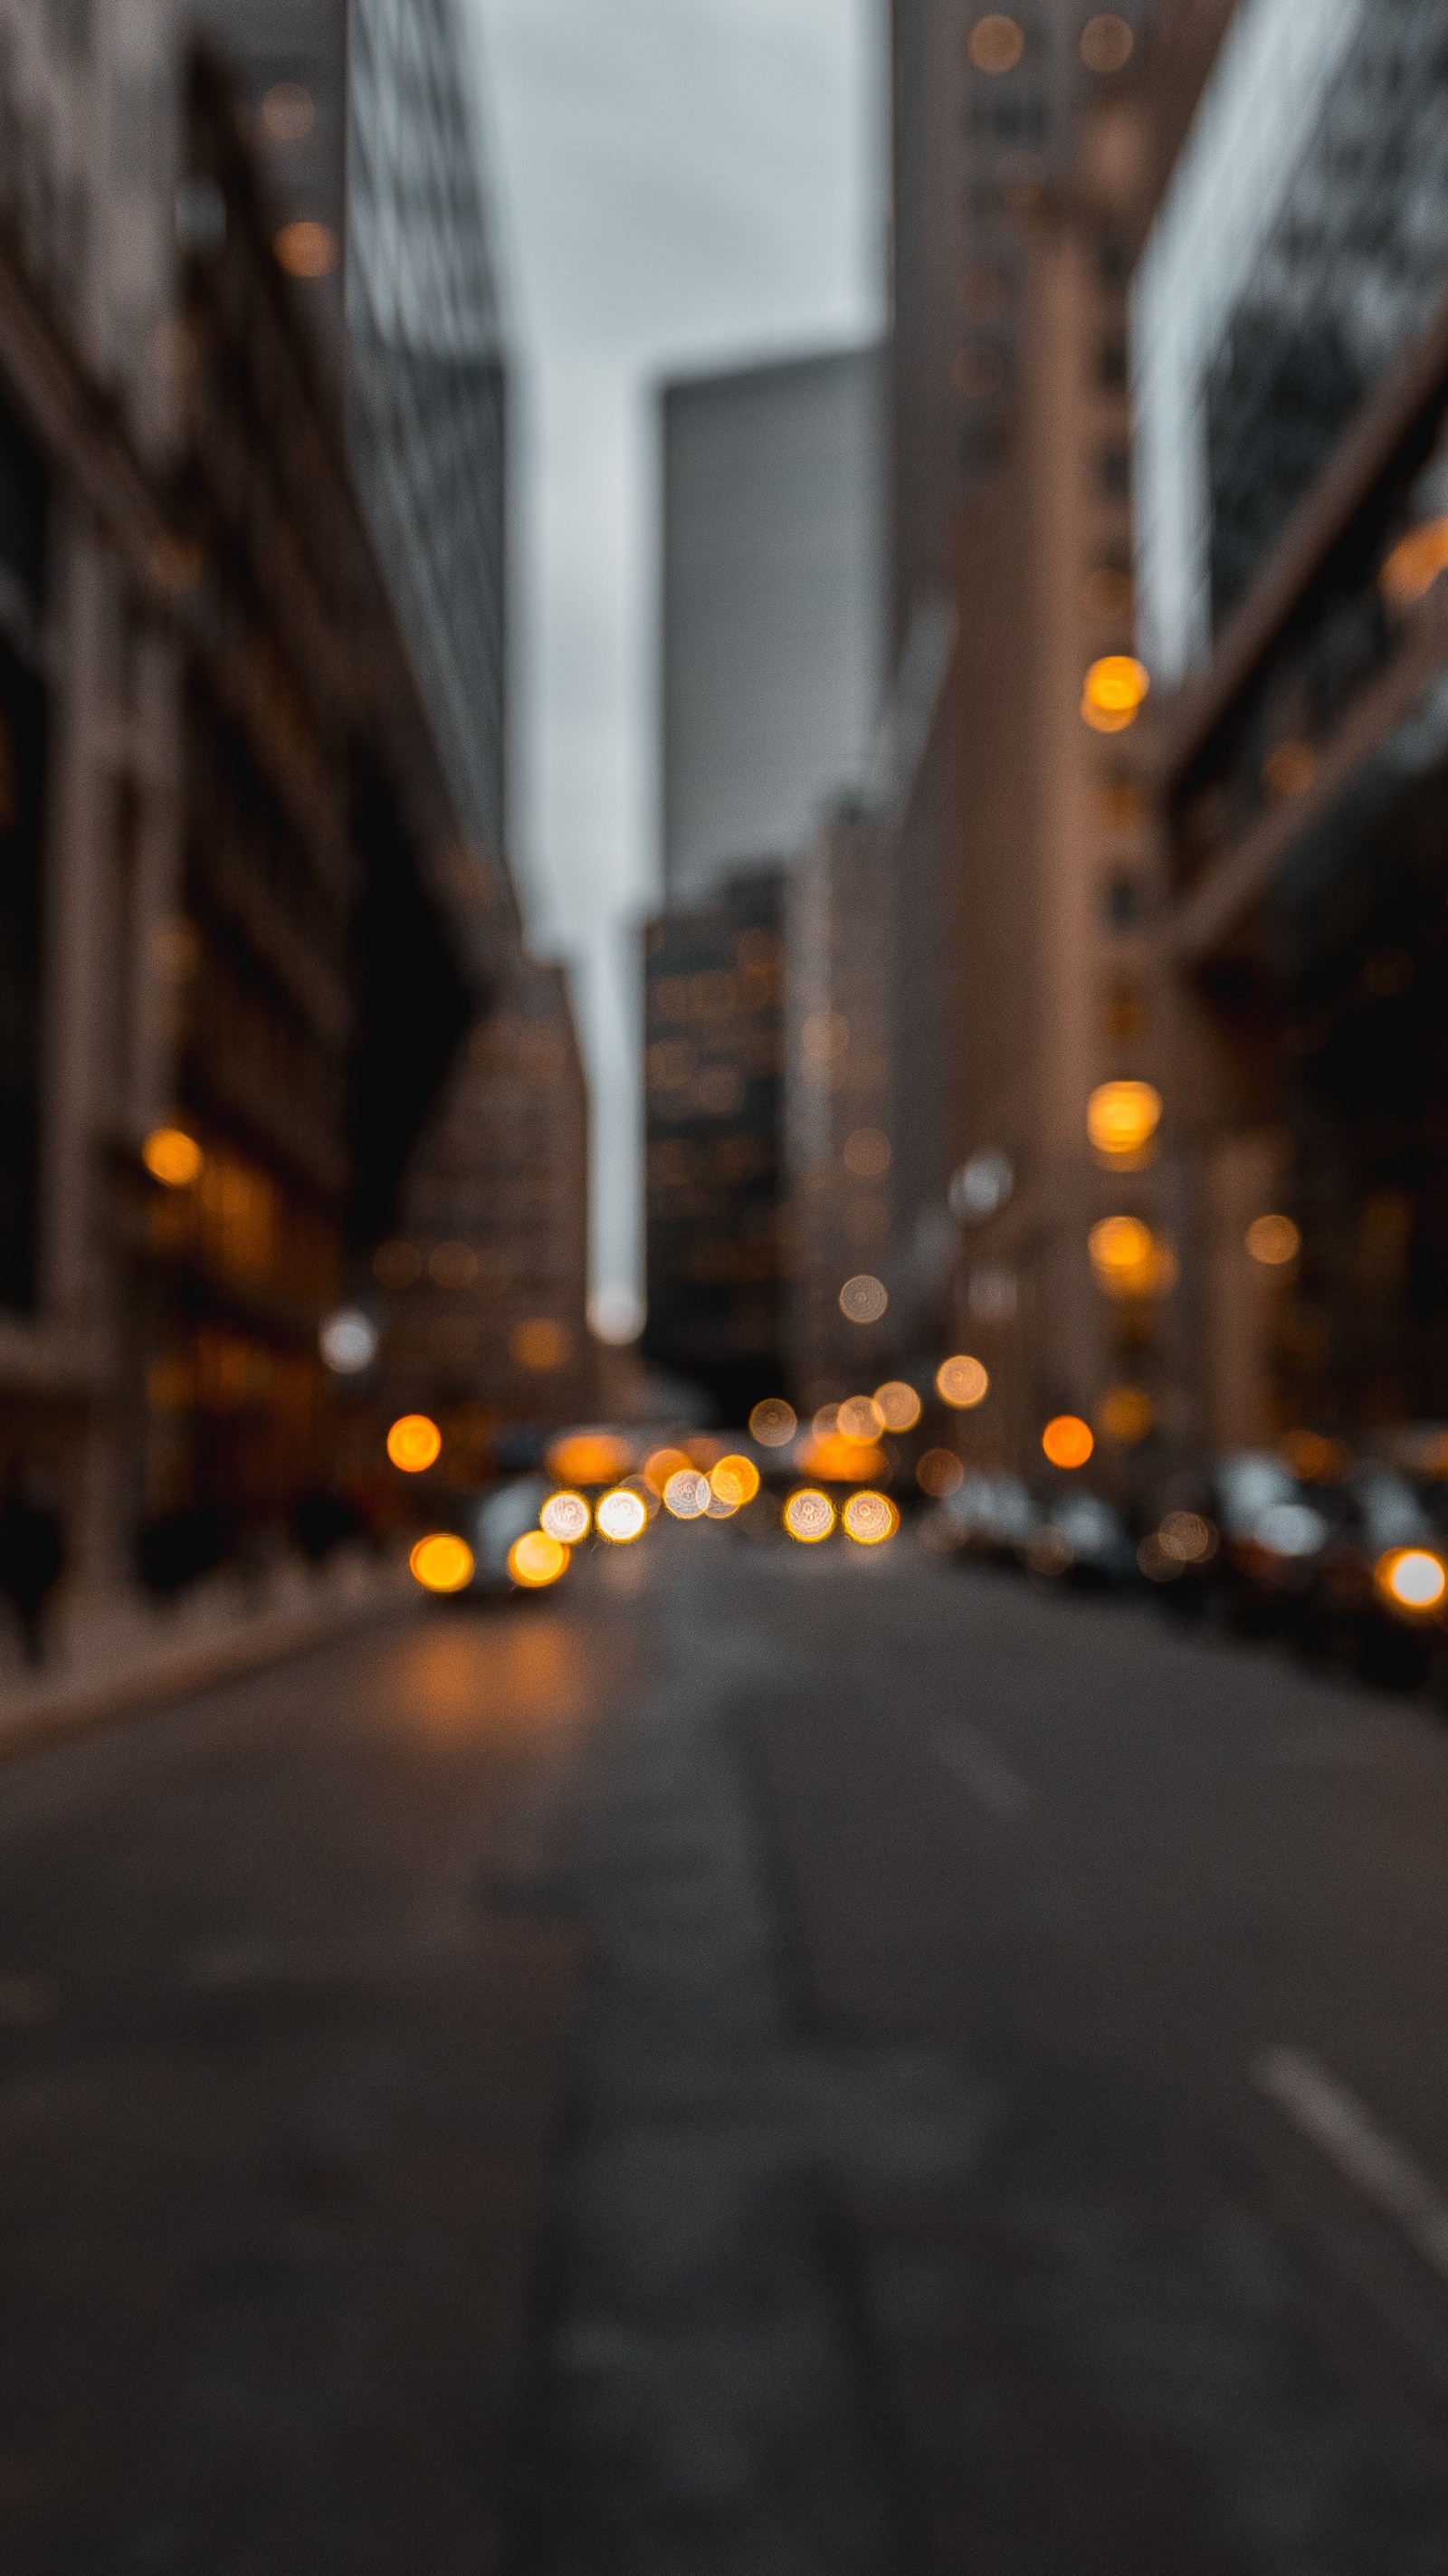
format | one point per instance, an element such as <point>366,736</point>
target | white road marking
<point>1336,2121</point>
<point>985,1772</point>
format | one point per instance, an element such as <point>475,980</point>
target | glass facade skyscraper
<point>1303,243</point>
<point>427,382</point>
<point>363,111</point>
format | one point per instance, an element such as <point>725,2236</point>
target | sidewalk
<point>123,1654</point>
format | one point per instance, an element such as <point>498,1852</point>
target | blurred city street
<point>763,2059</point>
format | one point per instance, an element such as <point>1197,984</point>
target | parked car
<point>1237,1540</point>
<point>1080,1539</point>
<point>1379,1580</point>
<point>989,1518</point>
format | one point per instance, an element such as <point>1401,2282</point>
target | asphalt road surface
<point>765,2063</point>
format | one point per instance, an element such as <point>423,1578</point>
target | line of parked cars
<point>1350,1567</point>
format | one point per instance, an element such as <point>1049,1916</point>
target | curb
<point>195,1664</point>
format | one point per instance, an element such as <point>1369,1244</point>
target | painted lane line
<point>985,1772</point>
<point>1336,2121</point>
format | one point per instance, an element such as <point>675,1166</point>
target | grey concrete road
<point>765,2063</point>
<point>282,1996</point>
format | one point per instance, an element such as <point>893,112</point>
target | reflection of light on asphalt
<point>530,1669</point>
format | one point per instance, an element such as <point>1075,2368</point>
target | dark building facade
<point>306,944</point>
<point>1303,760</point>
<point>362,115</point>
<point>714,1107</point>
<point>1029,150</point>
<point>24,518</point>
<point>486,1279</point>
<point>240,936</point>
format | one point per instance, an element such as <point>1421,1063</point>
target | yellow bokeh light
<point>687,1495</point>
<point>173,1158</point>
<point>898,1405</point>
<point>735,1481</point>
<point>1126,1415</point>
<point>1273,1241</point>
<point>1129,1260</point>
<point>622,1516</point>
<point>589,1458</point>
<point>996,43</point>
<point>869,1519</point>
<point>663,1464</point>
<point>773,1423</point>
<point>864,1299</point>
<point>1114,692</point>
<point>443,1563</point>
<point>1415,564</point>
<point>536,1560</point>
<point>1413,1578</point>
<point>1188,1537</point>
<point>962,1383</point>
<point>414,1444</point>
<point>567,1517</point>
<point>306,249</point>
<point>1068,1441</point>
<point>1122,1119</point>
<point>860,1418</point>
<point>809,1516</point>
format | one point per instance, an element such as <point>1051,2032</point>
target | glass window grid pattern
<point>1311,201</point>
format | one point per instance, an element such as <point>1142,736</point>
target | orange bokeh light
<point>1068,1441</point>
<point>735,1481</point>
<point>443,1563</point>
<point>1114,692</point>
<point>172,1157</point>
<point>588,1458</point>
<point>306,249</point>
<point>536,1560</point>
<point>414,1444</point>
<point>834,1460</point>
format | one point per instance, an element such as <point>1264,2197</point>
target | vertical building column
<point>72,966</point>
<point>151,966</point>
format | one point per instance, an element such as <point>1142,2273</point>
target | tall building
<point>486,1282</point>
<point>1028,152</point>
<point>362,111</point>
<point>714,1109</point>
<point>1292,437</point>
<point>773,601</point>
<point>88,716</point>
<point>838,1106</point>
<point>235,942</point>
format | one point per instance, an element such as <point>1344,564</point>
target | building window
<point>1111,366</point>
<point>1113,473</point>
<point>1125,904</point>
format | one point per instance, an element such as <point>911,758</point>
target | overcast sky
<point>676,182</point>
